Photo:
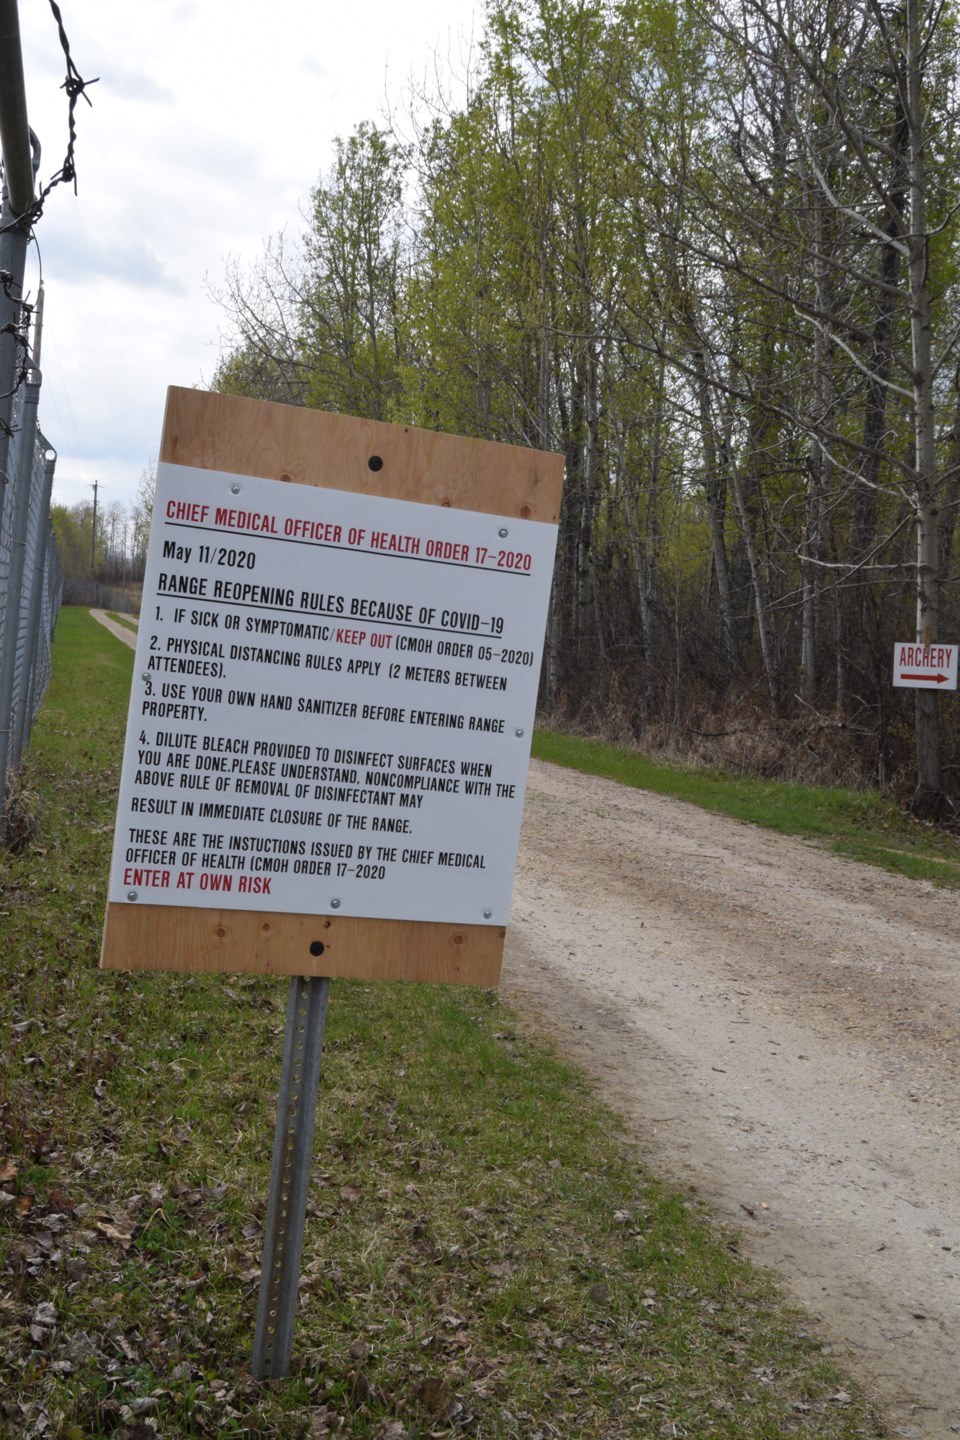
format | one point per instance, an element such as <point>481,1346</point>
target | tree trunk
<point>713,494</point>
<point>818,465</point>
<point>929,794</point>
<point>587,635</point>
<point>640,571</point>
<point>756,577</point>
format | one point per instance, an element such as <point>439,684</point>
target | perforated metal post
<point>290,1176</point>
<point>12,616</point>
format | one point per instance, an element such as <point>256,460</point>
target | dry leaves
<point>390,1430</point>
<point>117,1227</point>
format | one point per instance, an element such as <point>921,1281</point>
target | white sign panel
<point>332,703</point>
<point>924,667</point>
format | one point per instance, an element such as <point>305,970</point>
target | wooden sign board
<point>333,697</point>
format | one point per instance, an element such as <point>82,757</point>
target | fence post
<point>20,168</point>
<point>24,716</point>
<point>18,545</point>
<point>13,261</point>
<point>21,161</point>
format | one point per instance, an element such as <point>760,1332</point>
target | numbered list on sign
<point>332,703</point>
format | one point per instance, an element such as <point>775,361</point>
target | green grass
<point>484,1257</point>
<point>129,622</point>
<point>861,824</point>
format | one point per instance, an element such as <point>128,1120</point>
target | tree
<point>871,118</point>
<point>141,518</point>
<point>708,252</point>
<point>350,319</point>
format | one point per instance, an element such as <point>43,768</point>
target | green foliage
<point>72,526</point>
<point>117,551</point>
<point>349,324</point>
<point>674,244</point>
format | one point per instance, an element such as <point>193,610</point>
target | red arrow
<point>937,679</point>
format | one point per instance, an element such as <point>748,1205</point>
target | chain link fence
<point>31,583</point>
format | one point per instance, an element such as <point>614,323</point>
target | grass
<point>861,824</point>
<point>484,1257</point>
<point>129,622</point>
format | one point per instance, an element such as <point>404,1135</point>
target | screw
<point>503,533</point>
<point>131,894</point>
<point>519,734</point>
<point>487,914</point>
<point>334,904</point>
<point>234,489</point>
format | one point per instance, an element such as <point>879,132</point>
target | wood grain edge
<point>202,941</point>
<point>270,441</point>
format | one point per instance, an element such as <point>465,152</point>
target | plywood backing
<point>160,937</point>
<point>309,447</point>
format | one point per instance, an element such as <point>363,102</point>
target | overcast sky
<point>211,121</point>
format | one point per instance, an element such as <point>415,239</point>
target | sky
<point>209,125</point>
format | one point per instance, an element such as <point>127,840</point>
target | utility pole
<point>93,538</point>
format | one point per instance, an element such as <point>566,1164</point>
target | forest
<point>103,545</point>
<point>710,254</point>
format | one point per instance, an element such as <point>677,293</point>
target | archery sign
<point>924,667</point>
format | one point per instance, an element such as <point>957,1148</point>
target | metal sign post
<point>290,1176</point>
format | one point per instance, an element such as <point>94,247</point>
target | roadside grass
<point>484,1255</point>
<point>129,622</point>
<point>861,824</point>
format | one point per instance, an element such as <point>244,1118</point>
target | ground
<point>779,1028</point>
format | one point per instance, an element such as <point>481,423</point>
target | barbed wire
<point>75,86</point>
<point>20,330</point>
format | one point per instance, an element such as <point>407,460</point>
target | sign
<point>334,692</point>
<point>924,667</point>
<point>332,702</point>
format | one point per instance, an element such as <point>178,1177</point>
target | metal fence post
<point>21,160</point>
<point>24,717</point>
<point>290,1176</point>
<point>13,257</point>
<point>18,545</point>
<point>20,169</point>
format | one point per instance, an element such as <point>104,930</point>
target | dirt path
<point>780,1028</point>
<point>122,632</point>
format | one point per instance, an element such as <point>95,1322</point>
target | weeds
<point>21,813</point>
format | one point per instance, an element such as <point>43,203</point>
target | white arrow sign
<point>924,667</point>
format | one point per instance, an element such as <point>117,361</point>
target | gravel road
<point>780,1029</point>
